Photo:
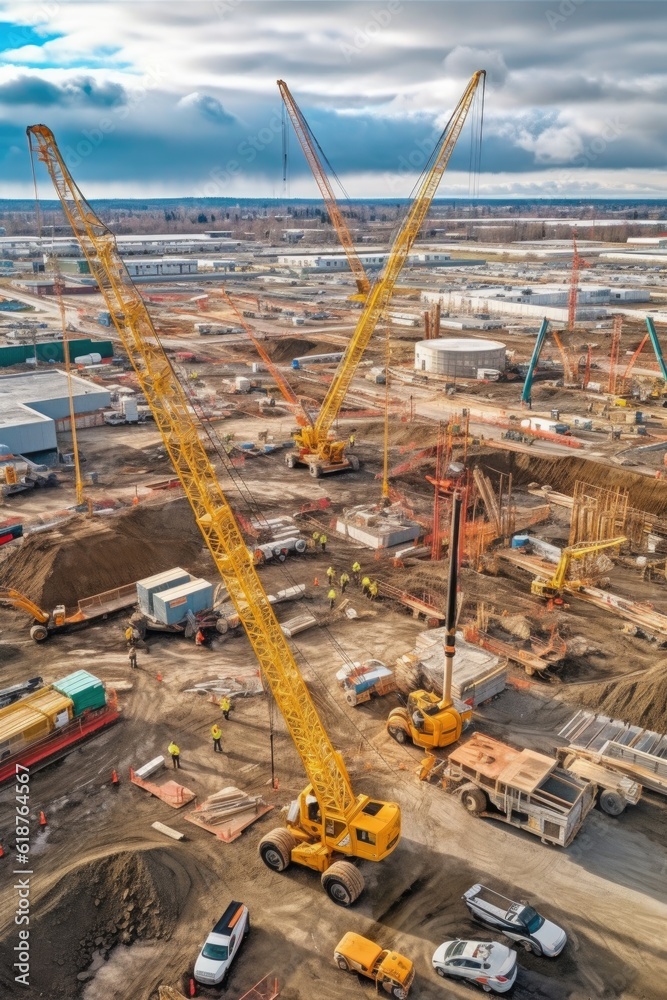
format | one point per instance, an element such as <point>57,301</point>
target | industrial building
<point>161,265</point>
<point>374,261</point>
<point>31,403</point>
<point>462,357</point>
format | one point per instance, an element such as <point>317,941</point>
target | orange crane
<point>614,351</point>
<point>303,418</point>
<point>577,264</point>
<point>311,149</point>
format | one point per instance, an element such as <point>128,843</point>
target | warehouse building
<point>32,402</point>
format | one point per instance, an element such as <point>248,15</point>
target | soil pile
<point>115,900</point>
<point>642,700</point>
<point>87,557</point>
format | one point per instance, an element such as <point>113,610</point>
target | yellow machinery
<point>554,586</point>
<point>314,444</point>
<point>45,623</point>
<point>309,145</point>
<point>328,823</point>
<point>429,721</point>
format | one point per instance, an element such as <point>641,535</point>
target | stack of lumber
<point>231,801</point>
<point>298,624</point>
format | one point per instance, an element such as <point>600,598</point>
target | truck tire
<point>38,633</point>
<point>315,470</point>
<point>275,849</point>
<point>398,733</point>
<point>354,462</point>
<point>290,460</point>
<point>473,800</point>
<point>611,802</point>
<point>398,992</point>
<point>341,962</point>
<point>343,883</point>
<point>351,698</point>
<point>301,545</point>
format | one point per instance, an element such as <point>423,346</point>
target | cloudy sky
<point>179,97</point>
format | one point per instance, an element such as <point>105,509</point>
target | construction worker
<point>344,580</point>
<point>351,440</point>
<point>331,575</point>
<point>356,572</point>
<point>129,634</point>
<point>132,656</point>
<point>373,590</point>
<point>323,542</point>
<point>332,598</point>
<point>175,755</point>
<point>316,537</point>
<point>365,584</point>
<point>216,733</point>
<point>225,706</point>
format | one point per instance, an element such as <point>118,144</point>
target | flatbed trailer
<point>639,754</point>
<point>59,743</point>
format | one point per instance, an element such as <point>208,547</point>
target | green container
<point>85,691</point>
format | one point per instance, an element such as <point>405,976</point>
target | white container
<point>242,384</point>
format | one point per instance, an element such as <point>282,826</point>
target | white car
<point>487,963</point>
<point>222,945</point>
<point>517,921</point>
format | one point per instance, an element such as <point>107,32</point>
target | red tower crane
<point>577,264</point>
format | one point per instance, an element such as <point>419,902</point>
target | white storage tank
<point>460,357</point>
<point>88,359</point>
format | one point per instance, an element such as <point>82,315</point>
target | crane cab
<point>427,721</point>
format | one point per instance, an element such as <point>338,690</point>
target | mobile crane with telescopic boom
<point>315,446</point>
<point>327,824</point>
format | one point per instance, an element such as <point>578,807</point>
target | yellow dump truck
<point>390,971</point>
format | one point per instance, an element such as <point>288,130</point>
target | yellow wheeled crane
<point>310,146</point>
<point>314,444</point>
<point>553,586</point>
<point>328,823</point>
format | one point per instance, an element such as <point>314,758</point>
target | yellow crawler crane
<point>328,823</point>
<point>310,148</point>
<point>314,444</point>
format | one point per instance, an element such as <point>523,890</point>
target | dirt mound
<point>87,557</point>
<point>115,900</point>
<point>294,347</point>
<point>642,700</point>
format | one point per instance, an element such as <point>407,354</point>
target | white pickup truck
<point>517,921</point>
<point>222,945</point>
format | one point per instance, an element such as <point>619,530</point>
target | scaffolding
<point>597,513</point>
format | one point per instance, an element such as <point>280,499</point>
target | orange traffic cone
<point>42,818</point>
<point>316,582</point>
<point>193,988</point>
<point>159,678</point>
<point>2,851</point>
<point>114,777</point>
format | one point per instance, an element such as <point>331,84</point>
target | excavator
<point>315,446</point>
<point>44,622</point>
<point>429,721</point>
<point>328,826</point>
<point>553,587</point>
